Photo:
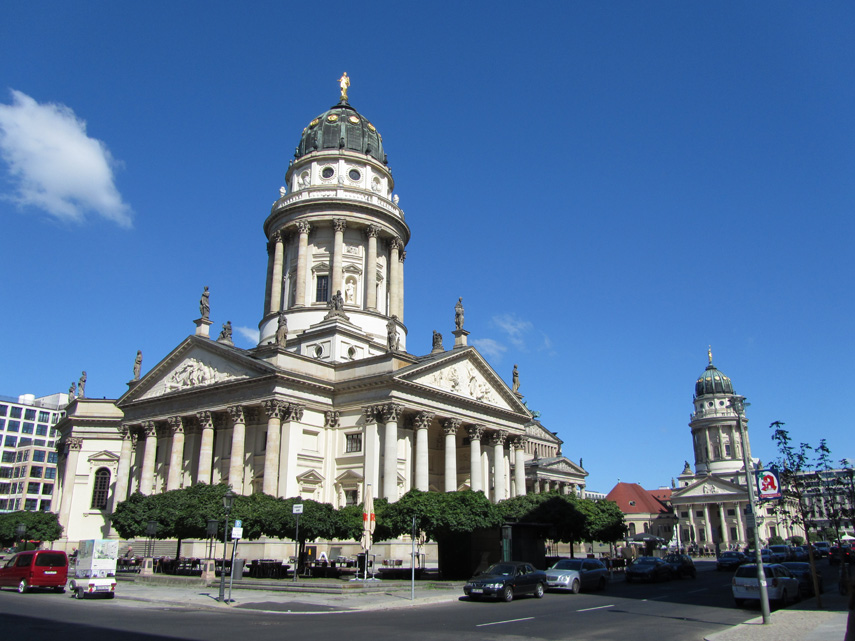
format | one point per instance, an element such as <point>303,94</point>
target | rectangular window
<point>34,488</point>
<point>54,418</point>
<point>30,415</point>
<point>28,428</point>
<point>684,515</point>
<point>25,441</point>
<point>699,513</point>
<point>4,504</point>
<point>31,505</point>
<point>39,442</point>
<point>41,430</point>
<point>13,426</point>
<point>353,443</point>
<point>50,473</point>
<point>322,291</point>
<point>732,533</point>
<point>16,412</point>
<point>8,456</point>
<point>4,409</point>
<point>5,472</point>
<point>47,488</point>
<point>10,441</point>
<point>39,456</point>
<point>44,417</point>
<point>773,531</point>
<point>36,471</point>
<point>731,512</point>
<point>45,505</point>
<point>2,423</point>
<point>350,497</point>
<point>52,457</point>
<point>5,488</point>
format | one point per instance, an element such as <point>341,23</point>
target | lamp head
<point>228,500</point>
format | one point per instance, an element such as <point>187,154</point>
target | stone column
<point>401,257</point>
<point>302,262</point>
<point>72,455</point>
<point>267,284</point>
<point>536,486</point>
<point>290,435</point>
<point>420,426</point>
<point>707,526</point>
<point>519,465</point>
<point>450,427</point>
<point>741,534</point>
<point>371,269</point>
<point>149,453</point>
<point>206,447</point>
<point>391,413</point>
<point>176,454</point>
<point>693,529</point>
<point>394,266</point>
<point>725,535</point>
<point>339,225</point>
<point>476,481</point>
<point>371,461</point>
<point>276,278</point>
<point>120,490</point>
<point>498,466</point>
<point>236,413</point>
<point>274,410</point>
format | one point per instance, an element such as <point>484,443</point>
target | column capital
<point>332,418</point>
<point>395,243</point>
<point>402,255</point>
<point>451,425</point>
<point>498,438</point>
<point>303,227</point>
<point>475,431</point>
<point>339,224</point>
<point>278,236</point>
<point>293,412</point>
<point>205,419</point>
<point>237,413</point>
<point>149,429</point>
<point>518,442</point>
<point>274,408</point>
<point>369,413</point>
<point>74,443</point>
<point>371,231</point>
<point>391,411</point>
<point>176,424</point>
<point>125,432</point>
<point>422,420</point>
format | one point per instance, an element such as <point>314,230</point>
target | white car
<point>781,585</point>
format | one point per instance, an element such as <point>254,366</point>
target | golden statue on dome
<point>344,83</point>
<point>709,353</point>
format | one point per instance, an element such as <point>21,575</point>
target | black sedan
<point>681,565</point>
<point>730,560</point>
<point>648,568</point>
<point>504,580</point>
<point>802,572</point>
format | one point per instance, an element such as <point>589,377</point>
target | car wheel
<point>575,586</point>
<point>23,587</point>
<point>80,593</point>
<point>539,591</point>
<point>602,584</point>
<point>739,602</point>
<point>507,594</point>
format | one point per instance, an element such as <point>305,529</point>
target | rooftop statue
<point>205,304</point>
<point>282,330</point>
<point>137,365</point>
<point>516,379</point>
<point>81,385</point>
<point>344,83</point>
<point>458,314</point>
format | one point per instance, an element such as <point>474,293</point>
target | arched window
<point>631,529</point>
<point>101,489</point>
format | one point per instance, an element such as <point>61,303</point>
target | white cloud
<point>489,348</point>
<point>514,327</point>
<point>249,333</point>
<point>54,165</point>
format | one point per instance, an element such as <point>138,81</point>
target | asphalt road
<point>677,610</point>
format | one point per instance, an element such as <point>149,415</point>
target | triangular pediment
<point>708,488</point>
<point>195,364</point>
<point>466,374</point>
<point>537,431</point>
<point>103,457</point>
<point>561,465</point>
<point>311,477</point>
<point>349,476</point>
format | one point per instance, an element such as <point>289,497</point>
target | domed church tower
<point>336,240</point>
<point>718,446</point>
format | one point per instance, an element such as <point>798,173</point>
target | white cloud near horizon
<point>514,327</point>
<point>249,333</point>
<point>489,348</point>
<point>55,166</point>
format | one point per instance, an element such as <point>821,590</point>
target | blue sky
<point>611,188</point>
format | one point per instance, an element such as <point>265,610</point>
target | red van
<point>36,569</point>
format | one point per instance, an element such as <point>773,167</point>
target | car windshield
<point>646,560</point>
<point>729,555</point>
<point>673,558</point>
<point>501,569</point>
<point>568,564</point>
<point>750,572</point>
<point>797,567</point>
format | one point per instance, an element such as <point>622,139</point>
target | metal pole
<point>297,549</point>
<point>232,573</point>
<point>738,404</point>
<point>413,563</point>
<point>225,551</point>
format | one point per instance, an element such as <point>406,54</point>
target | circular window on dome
<point>710,403</point>
<point>332,118</point>
<point>354,120</point>
<point>721,403</point>
<point>319,351</point>
<point>327,172</point>
<point>354,174</point>
<point>314,122</point>
<point>371,127</point>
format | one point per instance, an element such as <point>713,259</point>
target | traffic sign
<point>237,532</point>
<point>297,508</point>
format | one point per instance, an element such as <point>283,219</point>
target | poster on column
<point>768,485</point>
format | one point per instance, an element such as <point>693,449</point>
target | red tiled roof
<point>634,499</point>
<point>662,494</point>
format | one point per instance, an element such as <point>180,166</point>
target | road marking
<point>481,625</point>
<point>599,607</point>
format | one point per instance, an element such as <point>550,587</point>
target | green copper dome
<point>712,381</point>
<point>341,127</point>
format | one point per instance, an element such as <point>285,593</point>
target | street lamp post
<point>228,501</point>
<point>151,530</point>
<point>738,404</point>
<point>213,526</point>
<point>21,532</point>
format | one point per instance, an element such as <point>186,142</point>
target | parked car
<point>36,569</point>
<point>780,553</point>
<point>681,565</point>
<point>800,553</point>
<point>781,586</point>
<point>730,560</point>
<point>824,547</point>
<point>577,574</point>
<point>802,572</point>
<point>840,552</point>
<point>648,568</point>
<point>504,580</point>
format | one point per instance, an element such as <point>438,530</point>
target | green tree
<point>441,514</point>
<point>41,526</point>
<point>604,521</point>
